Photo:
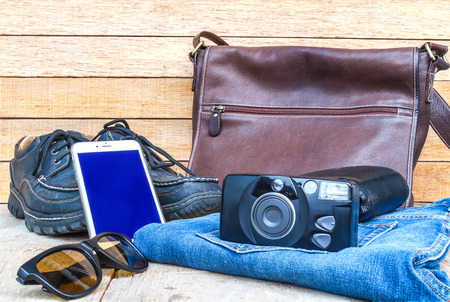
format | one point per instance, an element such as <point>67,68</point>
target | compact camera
<point>309,213</point>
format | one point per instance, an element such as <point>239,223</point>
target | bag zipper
<point>217,110</point>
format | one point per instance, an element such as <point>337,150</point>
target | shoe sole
<point>44,224</point>
<point>194,206</point>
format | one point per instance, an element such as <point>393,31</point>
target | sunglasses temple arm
<point>23,277</point>
<point>29,282</point>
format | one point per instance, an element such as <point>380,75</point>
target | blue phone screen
<point>119,194</point>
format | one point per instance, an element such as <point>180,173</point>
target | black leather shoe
<point>44,190</point>
<point>179,196</point>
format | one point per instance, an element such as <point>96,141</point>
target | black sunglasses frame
<point>28,273</point>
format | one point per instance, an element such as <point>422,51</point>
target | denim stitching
<point>437,241</point>
<point>375,225</point>
<point>390,225</point>
<point>437,281</point>
<point>393,214</point>
<point>413,217</point>
<point>212,237</point>
<point>243,249</point>
<point>433,288</point>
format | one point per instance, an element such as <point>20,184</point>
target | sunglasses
<point>72,271</point>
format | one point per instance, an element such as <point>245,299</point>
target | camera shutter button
<point>326,223</point>
<point>322,240</point>
<point>277,185</point>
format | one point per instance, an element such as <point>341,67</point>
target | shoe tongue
<point>110,136</point>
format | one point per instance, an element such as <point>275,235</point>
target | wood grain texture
<point>332,19</point>
<point>176,283</point>
<point>160,282</point>
<point>105,97</point>
<point>78,64</point>
<point>18,245</point>
<point>56,56</point>
<point>174,136</point>
<point>434,149</point>
<point>96,97</point>
<point>431,181</point>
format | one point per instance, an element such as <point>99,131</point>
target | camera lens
<point>273,215</point>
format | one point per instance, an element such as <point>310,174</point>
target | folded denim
<point>397,257</point>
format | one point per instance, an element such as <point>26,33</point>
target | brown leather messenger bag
<point>291,110</point>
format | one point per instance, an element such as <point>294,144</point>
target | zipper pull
<point>214,122</point>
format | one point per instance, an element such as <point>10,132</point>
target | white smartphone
<point>116,189</point>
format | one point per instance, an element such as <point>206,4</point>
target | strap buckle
<point>432,56</point>
<point>430,53</point>
<point>197,48</point>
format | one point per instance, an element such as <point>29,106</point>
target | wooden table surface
<point>161,282</point>
<point>77,64</point>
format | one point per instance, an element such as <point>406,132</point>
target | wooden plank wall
<point>77,64</point>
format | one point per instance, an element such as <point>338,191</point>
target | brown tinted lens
<point>120,250</point>
<point>69,271</point>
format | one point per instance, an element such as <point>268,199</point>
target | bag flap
<point>309,77</point>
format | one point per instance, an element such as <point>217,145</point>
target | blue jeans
<point>397,257</point>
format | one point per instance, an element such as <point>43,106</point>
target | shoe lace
<point>69,138</point>
<point>151,151</point>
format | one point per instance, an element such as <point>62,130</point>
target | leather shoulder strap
<point>210,36</point>
<point>440,117</point>
<point>439,111</point>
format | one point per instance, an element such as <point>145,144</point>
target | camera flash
<point>334,191</point>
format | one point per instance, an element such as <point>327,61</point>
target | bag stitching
<point>413,126</point>
<point>430,80</point>
<point>202,91</point>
